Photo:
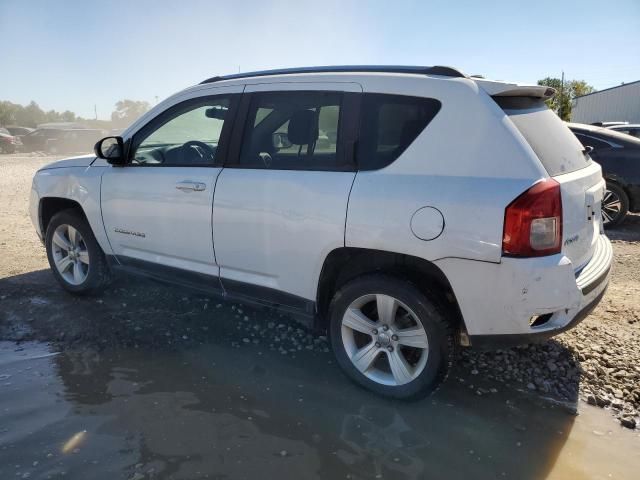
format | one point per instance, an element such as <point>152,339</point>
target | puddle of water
<point>213,411</point>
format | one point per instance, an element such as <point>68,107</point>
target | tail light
<point>533,222</point>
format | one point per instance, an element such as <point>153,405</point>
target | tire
<point>615,205</point>
<point>428,368</point>
<point>87,257</point>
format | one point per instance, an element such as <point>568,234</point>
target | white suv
<point>405,210</point>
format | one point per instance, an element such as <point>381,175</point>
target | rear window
<point>389,124</point>
<point>549,137</point>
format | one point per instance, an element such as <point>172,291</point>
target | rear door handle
<point>188,186</point>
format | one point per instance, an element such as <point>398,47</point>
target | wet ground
<point>149,381</point>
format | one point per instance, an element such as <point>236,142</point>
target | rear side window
<point>389,124</point>
<point>293,131</point>
<point>549,137</point>
<point>588,141</point>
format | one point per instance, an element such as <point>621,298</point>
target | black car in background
<point>619,155</point>
<point>76,140</point>
<point>18,131</point>
<point>37,140</point>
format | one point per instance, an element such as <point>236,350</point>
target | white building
<point>621,103</point>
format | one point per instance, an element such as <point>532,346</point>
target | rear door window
<point>550,138</point>
<point>293,131</point>
<point>389,124</point>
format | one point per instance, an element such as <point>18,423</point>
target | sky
<point>72,55</point>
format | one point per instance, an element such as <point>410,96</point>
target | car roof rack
<point>435,70</point>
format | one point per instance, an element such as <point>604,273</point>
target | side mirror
<point>111,149</point>
<point>280,140</point>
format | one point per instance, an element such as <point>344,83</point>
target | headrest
<point>303,127</point>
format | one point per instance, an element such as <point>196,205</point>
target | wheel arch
<point>621,183</point>
<point>347,263</point>
<point>49,206</point>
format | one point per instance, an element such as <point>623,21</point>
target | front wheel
<point>76,259</point>
<point>390,338</point>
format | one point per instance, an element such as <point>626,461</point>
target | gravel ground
<point>599,361</point>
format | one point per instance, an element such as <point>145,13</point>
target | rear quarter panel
<point>469,163</point>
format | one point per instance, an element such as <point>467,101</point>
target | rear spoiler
<point>503,89</point>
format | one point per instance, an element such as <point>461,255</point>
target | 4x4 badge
<point>571,240</point>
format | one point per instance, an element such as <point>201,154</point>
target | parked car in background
<point>74,141</point>
<point>19,131</point>
<point>608,124</point>
<point>36,141</point>
<point>387,247</point>
<point>631,129</point>
<point>8,143</point>
<point>619,155</point>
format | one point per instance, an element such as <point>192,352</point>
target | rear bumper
<point>502,341</point>
<point>499,301</point>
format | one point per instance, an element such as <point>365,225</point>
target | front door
<point>157,208</point>
<point>281,200</point>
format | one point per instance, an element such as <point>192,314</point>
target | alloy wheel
<point>384,339</point>
<point>70,254</point>
<point>611,206</point>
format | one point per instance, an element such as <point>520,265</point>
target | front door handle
<point>187,186</point>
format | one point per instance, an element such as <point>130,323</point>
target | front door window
<point>187,135</point>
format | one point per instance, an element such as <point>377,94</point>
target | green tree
<point>127,111</point>
<point>562,101</point>
<point>32,115</point>
<point>68,116</point>
<point>7,112</point>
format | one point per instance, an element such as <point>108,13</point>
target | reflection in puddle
<point>221,412</point>
<point>381,437</point>
<point>74,442</point>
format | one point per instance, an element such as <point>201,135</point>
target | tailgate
<point>582,193</point>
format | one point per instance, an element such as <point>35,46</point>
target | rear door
<point>281,200</point>
<point>566,160</point>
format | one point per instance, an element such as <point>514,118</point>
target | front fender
<point>79,184</point>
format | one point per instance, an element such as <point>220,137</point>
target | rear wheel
<point>389,337</point>
<point>615,205</point>
<point>76,259</point>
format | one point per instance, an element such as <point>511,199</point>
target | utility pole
<point>95,110</point>
<point>561,95</point>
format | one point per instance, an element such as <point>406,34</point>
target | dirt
<point>151,381</point>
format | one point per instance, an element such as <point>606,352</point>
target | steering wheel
<point>206,153</point>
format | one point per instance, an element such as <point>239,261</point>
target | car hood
<point>80,161</point>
